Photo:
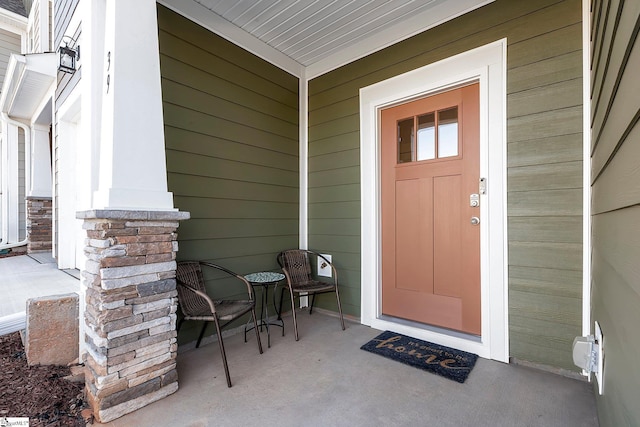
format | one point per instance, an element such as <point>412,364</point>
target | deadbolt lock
<point>474,200</point>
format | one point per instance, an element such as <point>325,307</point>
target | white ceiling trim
<point>215,23</point>
<point>401,31</point>
<point>336,54</point>
<point>13,22</point>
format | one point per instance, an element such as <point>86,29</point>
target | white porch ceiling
<point>311,37</point>
<point>28,80</point>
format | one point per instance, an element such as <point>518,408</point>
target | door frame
<point>486,65</point>
<point>69,249</point>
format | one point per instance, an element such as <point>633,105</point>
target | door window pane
<point>448,132</point>
<point>426,137</point>
<point>405,140</point>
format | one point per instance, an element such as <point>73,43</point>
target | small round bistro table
<point>264,279</point>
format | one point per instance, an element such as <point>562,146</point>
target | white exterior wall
<point>12,39</point>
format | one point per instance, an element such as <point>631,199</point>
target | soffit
<point>27,82</point>
<point>312,37</point>
<point>11,21</point>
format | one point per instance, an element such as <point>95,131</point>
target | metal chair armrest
<point>231,273</point>
<point>206,297</point>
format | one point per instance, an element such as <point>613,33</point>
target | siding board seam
<point>333,135</point>
<point>208,52</point>
<point>228,120</point>
<point>234,84</point>
<point>605,72</point>
<point>233,161</point>
<point>595,19</point>
<point>621,141</point>
<point>244,106</point>
<point>601,35</point>
<point>520,315</point>
<point>528,64</point>
<point>537,87</point>
<point>544,112</point>
<point>227,140</point>
<point>616,86</point>
<point>234,180</point>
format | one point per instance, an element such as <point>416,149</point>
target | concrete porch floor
<point>326,380</point>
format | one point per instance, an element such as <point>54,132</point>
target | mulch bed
<point>38,392</point>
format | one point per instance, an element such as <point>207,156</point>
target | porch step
<point>13,323</point>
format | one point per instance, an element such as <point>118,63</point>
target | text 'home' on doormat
<point>448,362</point>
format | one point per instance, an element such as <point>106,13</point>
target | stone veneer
<point>51,333</point>
<point>130,313</point>
<point>39,230</point>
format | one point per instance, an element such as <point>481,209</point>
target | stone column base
<point>131,303</point>
<point>39,224</point>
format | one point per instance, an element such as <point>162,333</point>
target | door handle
<point>475,220</point>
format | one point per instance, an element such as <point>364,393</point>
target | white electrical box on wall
<point>324,269</point>
<point>599,357</point>
<point>588,354</point>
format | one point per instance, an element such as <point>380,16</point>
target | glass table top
<point>264,277</point>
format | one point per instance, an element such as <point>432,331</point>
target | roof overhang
<point>13,22</point>
<point>28,80</point>
<point>308,39</point>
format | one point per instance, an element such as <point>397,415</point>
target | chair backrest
<point>189,273</point>
<point>297,265</point>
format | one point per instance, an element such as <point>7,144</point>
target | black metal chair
<point>195,304</point>
<point>296,266</point>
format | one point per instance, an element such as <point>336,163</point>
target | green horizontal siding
<point>545,151</point>
<point>615,113</point>
<point>546,281</point>
<point>231,130</point>
<point>544,155</point>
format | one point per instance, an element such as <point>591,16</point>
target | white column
<point>92,90</point>
<point>132,165</point>
<point>303,102</point>
<point>4,178</point>
<point>40,162</point>
<point>44,29</point>
<point>10,200</point>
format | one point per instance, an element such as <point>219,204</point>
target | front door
<point>430,210</point>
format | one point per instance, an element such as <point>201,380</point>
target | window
<point>436,136</point>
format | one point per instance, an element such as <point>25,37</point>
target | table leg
<point>261,321</point>
<point>265,313</point>
<point>281,299</point>
<point>275,306</point>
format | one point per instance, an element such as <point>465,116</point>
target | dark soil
<point>38,392</point>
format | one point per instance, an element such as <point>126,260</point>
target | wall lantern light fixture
<point>69,55</point>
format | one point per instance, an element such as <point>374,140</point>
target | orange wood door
<point>430,249</point>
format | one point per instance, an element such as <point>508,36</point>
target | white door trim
<point>70,175</point>
<point>487,65</point>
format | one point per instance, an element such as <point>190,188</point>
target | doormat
<point>445,361</point>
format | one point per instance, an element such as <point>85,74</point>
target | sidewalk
<point>29,276</point>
